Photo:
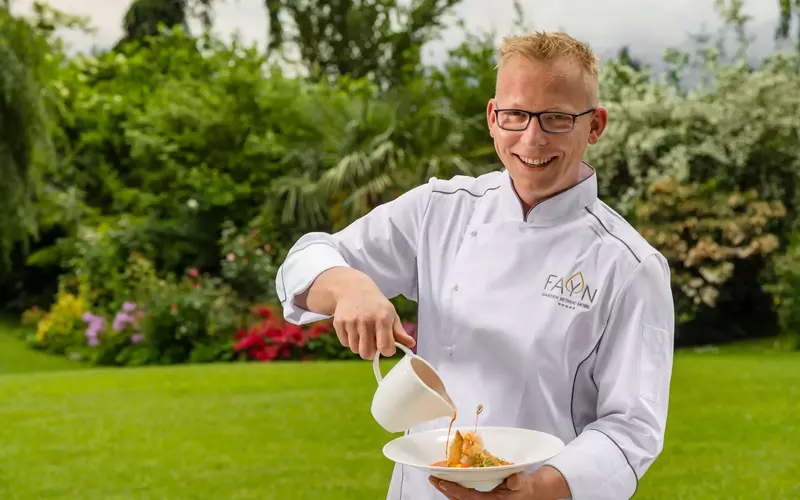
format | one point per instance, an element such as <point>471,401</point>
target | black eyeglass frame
<point>538,116</point>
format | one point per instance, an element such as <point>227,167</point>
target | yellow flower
<point>62,317</point>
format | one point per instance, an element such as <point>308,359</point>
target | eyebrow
<point>554,109</point>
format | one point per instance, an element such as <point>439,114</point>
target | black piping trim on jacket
<point>283,280</point>
<point>468,191</point>
<point>635,475</point>
<point>575,379</point>
<point>614,235</point>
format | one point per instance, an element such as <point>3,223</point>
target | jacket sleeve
<point>632,371</point>
<point>381,244</point>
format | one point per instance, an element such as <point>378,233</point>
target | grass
<point>304,431</point>
<point>16,357</point>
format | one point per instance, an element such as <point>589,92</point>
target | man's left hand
<point>516,487</point>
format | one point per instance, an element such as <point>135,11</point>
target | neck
<point>530,200</point>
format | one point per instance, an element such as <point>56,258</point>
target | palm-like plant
<point>369,152</point>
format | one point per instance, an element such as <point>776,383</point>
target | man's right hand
<point>364,319</point>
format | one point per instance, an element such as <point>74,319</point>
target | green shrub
<point>712,240</point>
<point>786,290</point>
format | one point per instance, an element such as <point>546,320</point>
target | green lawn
<point>16,357</point>
<point>297,431</point>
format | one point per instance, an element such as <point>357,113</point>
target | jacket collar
<point>570,201</point>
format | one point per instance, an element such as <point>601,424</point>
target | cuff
<point>298,272</point>
<point>595,468</point>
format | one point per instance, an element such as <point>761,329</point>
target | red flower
<point>293,334</point>
<point>250,341</point>
<point>276,334</point>
<point>173,307</point>
<point>194,272</point>
<point>268,353</point>
<point>262,311</point>
<point>318,329</point>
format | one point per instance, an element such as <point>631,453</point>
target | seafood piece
<point>454,456</point>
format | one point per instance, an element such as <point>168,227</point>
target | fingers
<point>384,333</point>
<point>354,335</point>
<point>513,482</point>
<point>456,492</point>
<point>341,331</point>
<point>400,334</point>
<point>366,339</point>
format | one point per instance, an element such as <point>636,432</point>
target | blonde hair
<point>549,47</point>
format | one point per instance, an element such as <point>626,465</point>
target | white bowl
<point>522,447</point>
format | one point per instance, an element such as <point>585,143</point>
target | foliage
<point>31,317</point>
<point>380,40</point>
<point>247,266</point>
<point>705,234</point>
<point>787,8</point>
<point>786,289</point>
<point>61,326</point>
<point>188,320</point>
<point>24,134</point>
<point>742,131</point>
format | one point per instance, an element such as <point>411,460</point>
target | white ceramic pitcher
<point>410,394</point>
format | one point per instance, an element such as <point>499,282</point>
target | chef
<point>536,299</point>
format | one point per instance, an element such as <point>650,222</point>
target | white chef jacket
<point>559,320</point>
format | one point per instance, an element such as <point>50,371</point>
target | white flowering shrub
<point>740,134</point>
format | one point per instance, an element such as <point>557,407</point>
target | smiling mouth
<point>539,162</point>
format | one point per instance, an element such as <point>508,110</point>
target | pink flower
<point>122,319</point>
<point>194,272</point>
<point>231,256</point>
<point>137,337</point>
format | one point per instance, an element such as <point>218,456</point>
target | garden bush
<point>709,236</point>
<point>786,289</point>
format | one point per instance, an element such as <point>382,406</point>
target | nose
<point>534,135</point>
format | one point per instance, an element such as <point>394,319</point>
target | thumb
<point>400,334</point>
<point>514,482</point>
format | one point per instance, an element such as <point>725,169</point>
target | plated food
<point>467,449</point>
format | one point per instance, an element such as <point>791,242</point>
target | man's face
<point>536,86</point>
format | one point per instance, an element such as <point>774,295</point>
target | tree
<point>144,17</point>
<point>787,8</point>
<point>24,138</point>
<point>378,39</point>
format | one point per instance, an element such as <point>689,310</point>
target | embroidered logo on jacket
<point>570,292</point>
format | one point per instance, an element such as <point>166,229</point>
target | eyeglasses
<point>552,122</point>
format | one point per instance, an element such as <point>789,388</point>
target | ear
<point>491,118</point>
<point>598,125</point>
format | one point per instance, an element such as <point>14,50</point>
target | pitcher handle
<point>376,360</point>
